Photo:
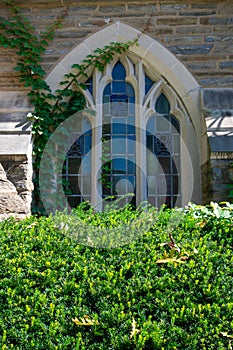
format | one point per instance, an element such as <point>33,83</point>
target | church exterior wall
<point>197,33</point>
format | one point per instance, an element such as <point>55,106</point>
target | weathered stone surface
<point>14,144</point>
<point>176,21</point>
<point>191,49</point>
<point>217,20</point>
<point>10,201</point>
<point>226,65</point>
<point>218,98</point>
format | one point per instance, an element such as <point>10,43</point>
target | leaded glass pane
<point>162,105</point>
<point>121,174</point>
<point>163,161</point>
<point>148,84</point>
<point>77,166</point>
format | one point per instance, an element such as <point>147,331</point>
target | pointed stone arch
<point>161,61</point>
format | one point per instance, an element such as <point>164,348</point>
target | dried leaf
<point>134,329</point>
<point>85,321</point>
<point>225,334</point>
<point>167,260</point>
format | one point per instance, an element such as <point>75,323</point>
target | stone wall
<point>197,32</point>
<point>15,190</point>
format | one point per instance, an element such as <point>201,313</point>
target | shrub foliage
<point>169,289</point>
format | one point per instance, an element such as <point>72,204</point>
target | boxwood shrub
<point>171,288</point>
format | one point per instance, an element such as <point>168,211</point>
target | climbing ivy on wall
<point>50,108</point>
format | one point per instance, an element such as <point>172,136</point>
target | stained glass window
<point>163,161</point>
<point>119,136</point>
<point>77,166</point>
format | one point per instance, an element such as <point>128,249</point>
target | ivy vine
<point>50,108</point>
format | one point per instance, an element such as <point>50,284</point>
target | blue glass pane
<point>162,105</point>
<point>148,84</point>
<point>119,97</point>
<point>118,87</point>
<point>118,128</point>
<point>119,166</point>
<point>151,125</point>
<point>132,100</point>
<point>118,145</point>
<point>131,124</point>
<point>131,144</point>
<point>132,180</point>
<point>129,89</point>
<point>131,167</point>
<point>87,143</point>
<point>107,90</point>
<point>118,72</point>
<point>131,129</point>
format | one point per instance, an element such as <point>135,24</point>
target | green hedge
<point>172,288</point>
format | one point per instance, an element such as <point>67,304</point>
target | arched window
<point>119,161</point>
<point>140,142</point>
<point>163,161</point>
<point>77,166</point>
<point>169,136</point>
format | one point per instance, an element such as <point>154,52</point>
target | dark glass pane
<point>148,84</point>
<point>176,164</point>
<point>107,90</point>
<point>165,163</point>
<point>175,125</point>
<point>132,180</point>
<point>118,72</point>
<point>73,184</point>
<point>162,105</point>
<point>89,84</point>
<point>175,184</point>
<point>169,202</point>
<point>73,165</point>
<point>149,142</point>
<point>107,128</point>
<point>131,167</point>
<point>74,201</point>
<point>169,184</point>
<point>77,149</point>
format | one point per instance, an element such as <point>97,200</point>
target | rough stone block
<point>177,21</point>
<point>226,65</point>
<point>218,98</point>
<point>191,49</point>
<point>10,201</point>
<point>216,20</point>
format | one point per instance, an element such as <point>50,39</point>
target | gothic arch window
<point>144,89</point>
<point>77,166</point>
<point>163,162</point>
<point>139,139</point>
